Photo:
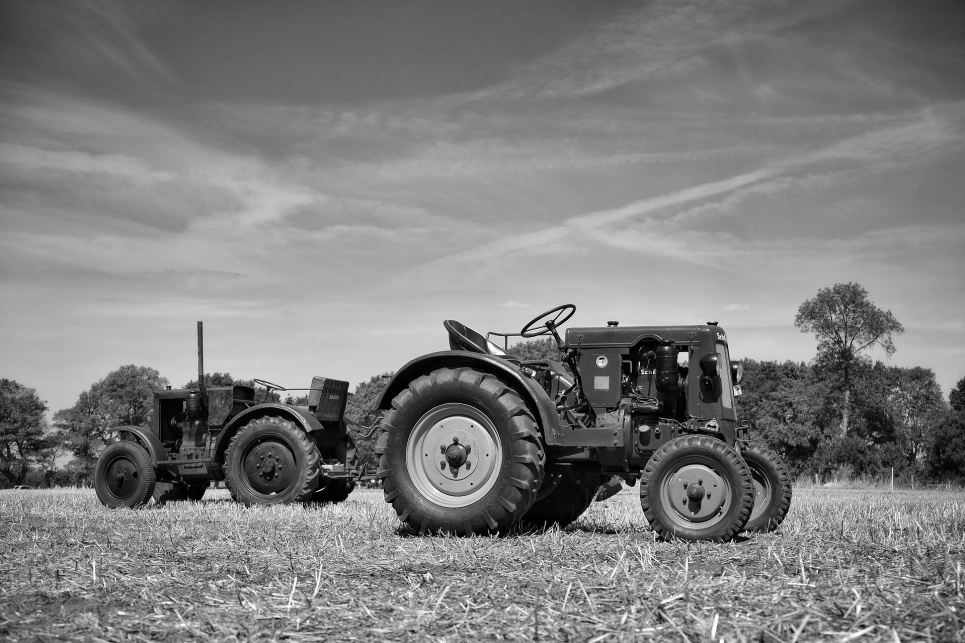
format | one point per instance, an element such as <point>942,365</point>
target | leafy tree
<point>946,440</point>
<point>845,324</point>
<point>124,398</point>
<point>544,348</point>
<point>214,379</point>
<point>946,448</point>
<point>786,404</point>
<point>225,379</point>
<point>956,399</point>
<point>914,404</point>
<point>22,426</point>
<point>361,410</point>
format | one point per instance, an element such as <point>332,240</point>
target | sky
<point>324,183</point>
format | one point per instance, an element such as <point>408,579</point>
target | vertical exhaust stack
<point>204,394</point>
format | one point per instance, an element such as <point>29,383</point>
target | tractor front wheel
<point>460,454</point>
<point>772,489</point>
<point>272,461</point>
<point>696,488</point>
<point>124,476</point>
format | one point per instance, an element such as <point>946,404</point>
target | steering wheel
<point>269,385</point>
<point>543,325</point>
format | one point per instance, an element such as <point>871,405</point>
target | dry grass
<point>846,566</point>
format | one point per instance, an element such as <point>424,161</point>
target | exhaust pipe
<point>204,394</point>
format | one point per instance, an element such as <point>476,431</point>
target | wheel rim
<point>762,491</point>
<point>453,455</point>
<point>121,477</point>
<point>695,495</point>
<point>269,467</point>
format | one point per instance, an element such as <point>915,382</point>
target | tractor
<point>475,441</point>
<point>265,452</point>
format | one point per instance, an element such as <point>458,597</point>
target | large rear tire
<point>460,454</point>
<point>696,488</point>
<point>567,491</point>
<point>124,475</point>
<point>272,461</point>
<point>772,489</point>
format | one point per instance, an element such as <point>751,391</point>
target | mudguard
<point>539,403</point>
<point>146,438</point>
<point>300,415</point>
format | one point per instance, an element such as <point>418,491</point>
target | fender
<point>146,438</point>
<point>300,415</point>
<point>540,405</point>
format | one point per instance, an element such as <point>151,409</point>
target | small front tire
<point>772,490</point>
<point>696,488</point>
<point>124,476</point>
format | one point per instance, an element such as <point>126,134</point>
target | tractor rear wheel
<point>696,488</point>
<point>272,461</point>
<point>460,454</point>
<point>772,489</point>
<point>124,476</point>
<point>566,492</point>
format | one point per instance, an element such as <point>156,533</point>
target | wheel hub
<point>270,467</point>
<point>123,476</point>
<point>696,493</point>
<point>453,455</point>
<point>457,455</point>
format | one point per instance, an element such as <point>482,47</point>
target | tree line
<point>839,416</point>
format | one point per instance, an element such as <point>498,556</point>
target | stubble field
<point>847,565</point>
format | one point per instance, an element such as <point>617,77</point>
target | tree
<point>946,448</point>
<point>915,404</point>
<point>845,324</point>
<point>225,379</point>
<point>214,379</point>
<point>536,349</point>
<point>946,440</point>
<point>956,399</point>
<point>786,405</point>
<point>22,427</point>
<point>361,410</point>
<point>124,397</point>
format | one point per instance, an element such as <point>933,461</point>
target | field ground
<point>847,565</point>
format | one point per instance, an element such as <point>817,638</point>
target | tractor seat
<point>463,338</point>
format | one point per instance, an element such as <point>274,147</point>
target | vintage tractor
<point>266,452</point>
<point>475,441</point>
